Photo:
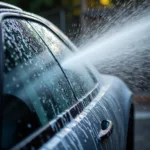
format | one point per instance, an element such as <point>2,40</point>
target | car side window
<point>35,88</point>
<point>80,76</point>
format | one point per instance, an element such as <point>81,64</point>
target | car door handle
<point>106,129</point>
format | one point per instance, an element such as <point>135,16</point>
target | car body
<point>48,104</point>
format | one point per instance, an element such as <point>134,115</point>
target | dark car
<point>48,102</point>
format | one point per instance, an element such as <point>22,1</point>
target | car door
<point>92,91</point>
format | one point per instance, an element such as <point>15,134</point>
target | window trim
<point>55,125</point>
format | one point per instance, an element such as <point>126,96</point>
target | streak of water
<point>114,41</point>
<point>118,48</point>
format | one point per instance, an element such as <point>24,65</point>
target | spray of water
<point>122,50</point>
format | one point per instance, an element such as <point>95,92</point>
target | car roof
<point>8,6</point>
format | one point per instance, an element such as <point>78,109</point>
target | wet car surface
<point>49,104</point>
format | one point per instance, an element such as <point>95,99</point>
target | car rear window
<point>35,88</point>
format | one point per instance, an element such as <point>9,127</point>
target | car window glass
<point>35,89</point>
<point>80,76</point>
<point>61,51</point>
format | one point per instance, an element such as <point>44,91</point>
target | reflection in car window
<point>34,85</point>
<point>80,77</point>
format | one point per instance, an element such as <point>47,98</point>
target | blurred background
<point>75,17</point>
<point>69,15</point>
